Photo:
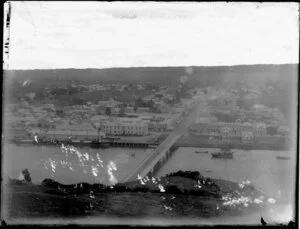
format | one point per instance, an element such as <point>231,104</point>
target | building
<point>137,128</point>
<point>129,110</point>
<point>283,130</point>
<point>247,137</point>
<point>112,128</point>
<point>259,129</point>
<point>206,125</point>
<point>158,126</point>
<point>125,127</point>
<point>225,134</point>
<point>142,109</point>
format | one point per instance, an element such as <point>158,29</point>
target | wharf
<point>76,142</point>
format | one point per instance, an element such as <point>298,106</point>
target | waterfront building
<point>225,134</point>
<point>125,127</point>
<point>208,125</point>
<point>158,126</point>
<point>247,137</point>
<point>112,128</point>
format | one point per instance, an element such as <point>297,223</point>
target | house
<point>129,110</point>
<point>142,109</point>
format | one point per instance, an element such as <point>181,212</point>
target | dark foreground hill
<point>181,194</point>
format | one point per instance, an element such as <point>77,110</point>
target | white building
<point>137,128</point>
<point>125,127</point>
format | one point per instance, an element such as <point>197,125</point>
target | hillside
<point>204,75</point>
<point>183,193</point>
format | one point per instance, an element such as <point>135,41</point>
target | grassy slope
<point>48,201</point>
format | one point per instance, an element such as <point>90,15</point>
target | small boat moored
<point>200,151</point>
<point>283,158</point>
<point>225,154</point>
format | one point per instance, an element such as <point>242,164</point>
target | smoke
<point>189,70</point>
<point>183,79</point>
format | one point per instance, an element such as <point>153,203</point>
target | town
<point>145,113</point>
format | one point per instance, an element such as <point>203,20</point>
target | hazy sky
<point>102,34</point>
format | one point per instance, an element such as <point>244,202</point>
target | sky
<point>49,35</point>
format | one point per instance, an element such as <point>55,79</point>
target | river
<point>71,165</point>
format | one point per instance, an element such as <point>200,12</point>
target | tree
<point>108,111</point>
<point>43,125</point>
<point>272,130</point>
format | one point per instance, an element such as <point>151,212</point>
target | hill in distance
<point>157,75</point>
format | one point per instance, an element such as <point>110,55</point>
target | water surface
<point>71,165</point>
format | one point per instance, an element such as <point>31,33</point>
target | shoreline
<point>181,143</point>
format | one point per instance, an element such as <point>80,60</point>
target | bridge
<point>153,162</point>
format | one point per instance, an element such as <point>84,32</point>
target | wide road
<point>182,128</point>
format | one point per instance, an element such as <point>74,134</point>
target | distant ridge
<point>155,74</point>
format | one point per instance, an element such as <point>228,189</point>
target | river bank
<point>263,143</point>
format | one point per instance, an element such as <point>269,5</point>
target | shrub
<point>194,175</point>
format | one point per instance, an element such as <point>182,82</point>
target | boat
<point>226,154</point>
<point>283,158</point>
<point>201,151</point>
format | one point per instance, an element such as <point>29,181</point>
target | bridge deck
<point>146,164</point>
<point>159,156</point>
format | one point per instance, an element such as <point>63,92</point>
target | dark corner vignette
<point>129,138</point>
